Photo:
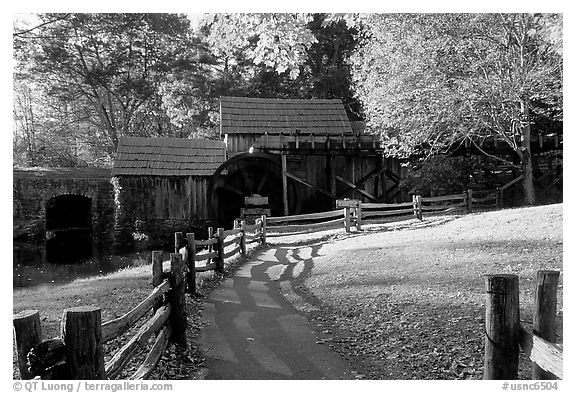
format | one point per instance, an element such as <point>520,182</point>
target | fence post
<point>359,216</point>
<point>347,219</point>
<point>417,206</point>
<point>263,238</point>
<point>220,249</point>
<point>210,236</point>
<point>27,334</point>
<point>82,337</point>
<point>177,299</point>
<point>545,313</point>
<point>502,330</point>
<point>157,274</point>
<point>243,237</point>
<point>178,237</point>
<point>191,276</point>
<point>469,193</point>
<point>498,197</point>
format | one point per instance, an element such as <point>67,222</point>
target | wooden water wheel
<point>245,175</point>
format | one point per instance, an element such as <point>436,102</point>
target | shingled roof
<point>168,157</point>
<point>242,115</point>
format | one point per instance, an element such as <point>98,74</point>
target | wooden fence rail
<point>220,245</point>
<point>352,213</point>
<point>504,335</point>
<point>79,352</point>
<point>65,357</point>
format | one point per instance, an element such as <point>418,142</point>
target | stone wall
<point>127,213</point>
<point>33,187</point>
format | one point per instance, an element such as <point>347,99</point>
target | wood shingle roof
<point>168,157</point>
<point>242,115</point>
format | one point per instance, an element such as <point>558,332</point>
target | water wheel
<point>245,175</point>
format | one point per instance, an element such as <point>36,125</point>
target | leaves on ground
<point>408,303</point>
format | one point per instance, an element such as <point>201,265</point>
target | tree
<point>100,76</point>
<point>109,65</point>
<point>49,131</point>
<point>429,81</point>
<point>279,41</point>
<point>273,55</point>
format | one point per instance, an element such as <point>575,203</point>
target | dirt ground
<point>402,299</point>
<point>405,300</point>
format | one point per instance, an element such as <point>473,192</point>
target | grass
<point>116,294</point>
<point>407,300</point>
<point>400,300</point>
<point>108,292</point>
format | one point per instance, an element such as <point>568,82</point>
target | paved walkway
<point>254,333</point>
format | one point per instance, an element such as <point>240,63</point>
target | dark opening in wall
<point>68,228</point>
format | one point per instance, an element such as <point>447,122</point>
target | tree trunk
<point>526,159</point>
<point>528,179</point>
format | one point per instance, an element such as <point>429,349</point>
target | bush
<point>445,175</point>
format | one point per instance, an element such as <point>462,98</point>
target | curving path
<point>254,333</point>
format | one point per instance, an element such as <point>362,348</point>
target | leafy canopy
<point>109,68</point>
<point>279,41</point>
<point>428,81</point>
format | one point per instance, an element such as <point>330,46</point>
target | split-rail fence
<point>352,213</point>
<point>505,336</point>
<point>79,352</point>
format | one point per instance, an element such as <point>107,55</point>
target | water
<point>31,266</point>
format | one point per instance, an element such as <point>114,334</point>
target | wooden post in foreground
<point>177,299</point>
<point>243,237</point>
<point>545,314</point>
<point>502,327</point>
<point>178,237</point>
<point>82,337</point>
<point>157,273</point>
<point>27,334</point>
<point>191,276</point>
<point>220,249</point>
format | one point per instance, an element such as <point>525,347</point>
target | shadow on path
<point>253,333</point>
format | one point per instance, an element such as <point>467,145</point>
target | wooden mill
<point>301,154</point>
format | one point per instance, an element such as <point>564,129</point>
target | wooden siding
<point>161,198</point>
<point>240,143</point>
<point>313,169</point>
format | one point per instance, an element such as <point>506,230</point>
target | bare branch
<point>491,155</point>
<point>23,32</point>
